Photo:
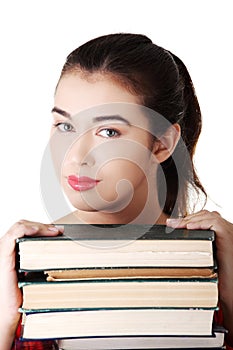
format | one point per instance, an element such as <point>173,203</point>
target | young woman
<point>126,123</point>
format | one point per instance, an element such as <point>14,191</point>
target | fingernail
<point>34,228</point>
<point>173,221</point>
<point>53,229</point>
<point>60,227</point>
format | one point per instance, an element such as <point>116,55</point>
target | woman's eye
<point>64,127</point>
<point>108,133</point>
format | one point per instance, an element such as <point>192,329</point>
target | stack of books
<point>121,287</point>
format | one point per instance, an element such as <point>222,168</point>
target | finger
<point>176,223</point>
<point>182,222</point>
<point>206,224</point>
<point>31,228</point>
<point>202,213</point>
<point>209,223</point>
<point>214,216</point>
<point>192,225</point>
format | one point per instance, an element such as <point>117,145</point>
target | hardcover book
<point>129,272</point>
<point>215,341</point>
<point>119,283</point>
<point>117,322</point>
<point>108,293</point>
<point>104,246</point>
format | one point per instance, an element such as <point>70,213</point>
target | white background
<point>36,37</point>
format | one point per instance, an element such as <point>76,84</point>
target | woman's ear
<point>165,145</point>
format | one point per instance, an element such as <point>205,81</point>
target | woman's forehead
<point>75,93</point>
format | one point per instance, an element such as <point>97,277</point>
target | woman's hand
<point>224,241</point>
<point>10,294</point>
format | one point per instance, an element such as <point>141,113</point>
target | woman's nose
<point>80,152</point>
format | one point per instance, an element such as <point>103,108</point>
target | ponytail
<point>178,186</point>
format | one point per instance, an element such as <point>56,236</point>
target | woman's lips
<point>82,183</point>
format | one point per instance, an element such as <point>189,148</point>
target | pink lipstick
<point>82,183</point>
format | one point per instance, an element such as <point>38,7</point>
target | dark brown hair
<point>163,84</point>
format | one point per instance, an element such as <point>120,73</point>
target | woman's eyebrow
<point>111,117</point>
<point>60,111</point>
<point>95,119</point>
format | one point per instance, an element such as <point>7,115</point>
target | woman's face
<point>106,157</point>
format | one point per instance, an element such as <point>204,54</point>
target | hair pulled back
<point>162,82</point>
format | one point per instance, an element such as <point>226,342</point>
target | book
<point>128,272</point>
<point>216,340</point>
<point>119,281</point>
<point>104,246</point>
<point>135,343</point>
<point>117,322</point>
<point>89,345</point>
<point>118,293</point>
